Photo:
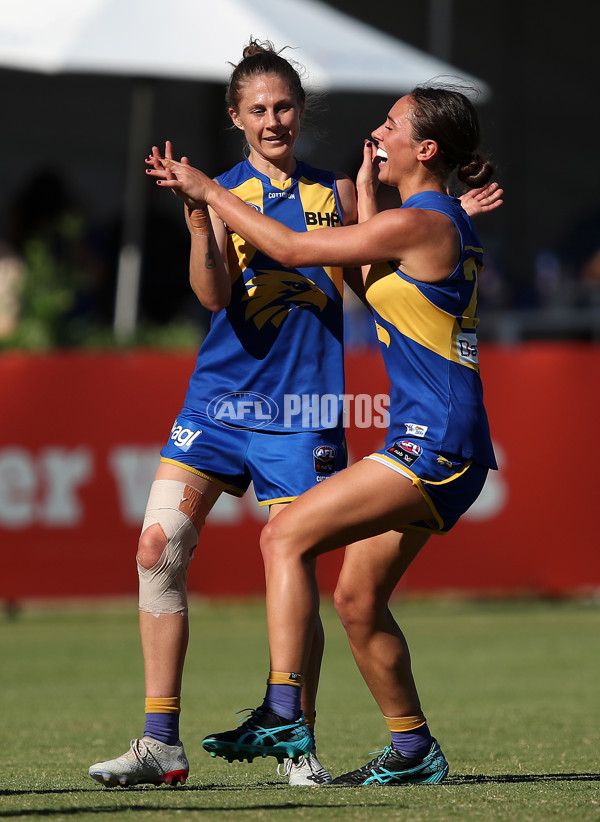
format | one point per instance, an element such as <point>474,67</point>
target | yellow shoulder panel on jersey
<point>406,308</point>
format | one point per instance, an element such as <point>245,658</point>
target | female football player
<point>421,265</point>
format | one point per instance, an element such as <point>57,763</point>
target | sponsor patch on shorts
<point>406,451</point>
<point>413,429</point>
<point>183,437</point>
<point>324,459</point>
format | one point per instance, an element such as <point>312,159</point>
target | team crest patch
<point>406,451</point>
<point>324,459</point>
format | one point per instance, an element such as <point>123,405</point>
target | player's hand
<point>190,184</point>
<point>481,200</point>
<point>155,158</point>
<point>368,177</point>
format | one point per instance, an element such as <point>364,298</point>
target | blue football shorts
<point>281,466</point>
<point>449,484</point>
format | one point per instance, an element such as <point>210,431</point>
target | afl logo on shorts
<point>324,459</point>
<point>405,451</point>
<point>243,409</point>
<point>411,447</point>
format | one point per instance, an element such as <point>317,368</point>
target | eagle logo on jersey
<point>271,295</point>
<point>259,307</point>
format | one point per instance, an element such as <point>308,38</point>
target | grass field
<point>511,690</point>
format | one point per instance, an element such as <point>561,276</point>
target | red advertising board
<point>79,441</point>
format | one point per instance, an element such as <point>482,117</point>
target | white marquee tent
<point>194,40</point>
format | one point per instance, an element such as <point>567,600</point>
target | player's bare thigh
<point>277,508</point>
<point>362,501</point>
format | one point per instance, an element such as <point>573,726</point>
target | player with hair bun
<point>276,331</point>
<point>421,264</point>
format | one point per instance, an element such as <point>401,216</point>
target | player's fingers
<point>493,196</point>
<point>161,166</point>
<point>168,150</point>
<point>174,184</point>
<point>371,149</point>
<point>154,157</point>
<point>163,162</point>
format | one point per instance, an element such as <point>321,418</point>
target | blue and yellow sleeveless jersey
<point>428,335</point>
<point>282,333</point>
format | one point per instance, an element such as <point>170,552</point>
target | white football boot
<point>148,761</point>
<point>308,771</point>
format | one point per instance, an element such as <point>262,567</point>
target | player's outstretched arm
<point>388,235</point>
<point>197,190</point>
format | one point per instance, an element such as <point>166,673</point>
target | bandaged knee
<point>178,509</point>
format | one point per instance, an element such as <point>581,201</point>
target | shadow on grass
<point>162,808</point>
<point>451,781</point>
<point>175,808</point>
<point>501,779</point>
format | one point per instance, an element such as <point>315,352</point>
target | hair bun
<point>256,47</point>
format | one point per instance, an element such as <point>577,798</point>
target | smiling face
<point>269,115</point>
<point>396,147</point>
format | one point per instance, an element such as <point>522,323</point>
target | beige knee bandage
<point>178,509</point>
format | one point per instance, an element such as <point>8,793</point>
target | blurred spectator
<point>569,275</point>
<point>493,290</point>
<point>580,257</point>
<point>551,286</point>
